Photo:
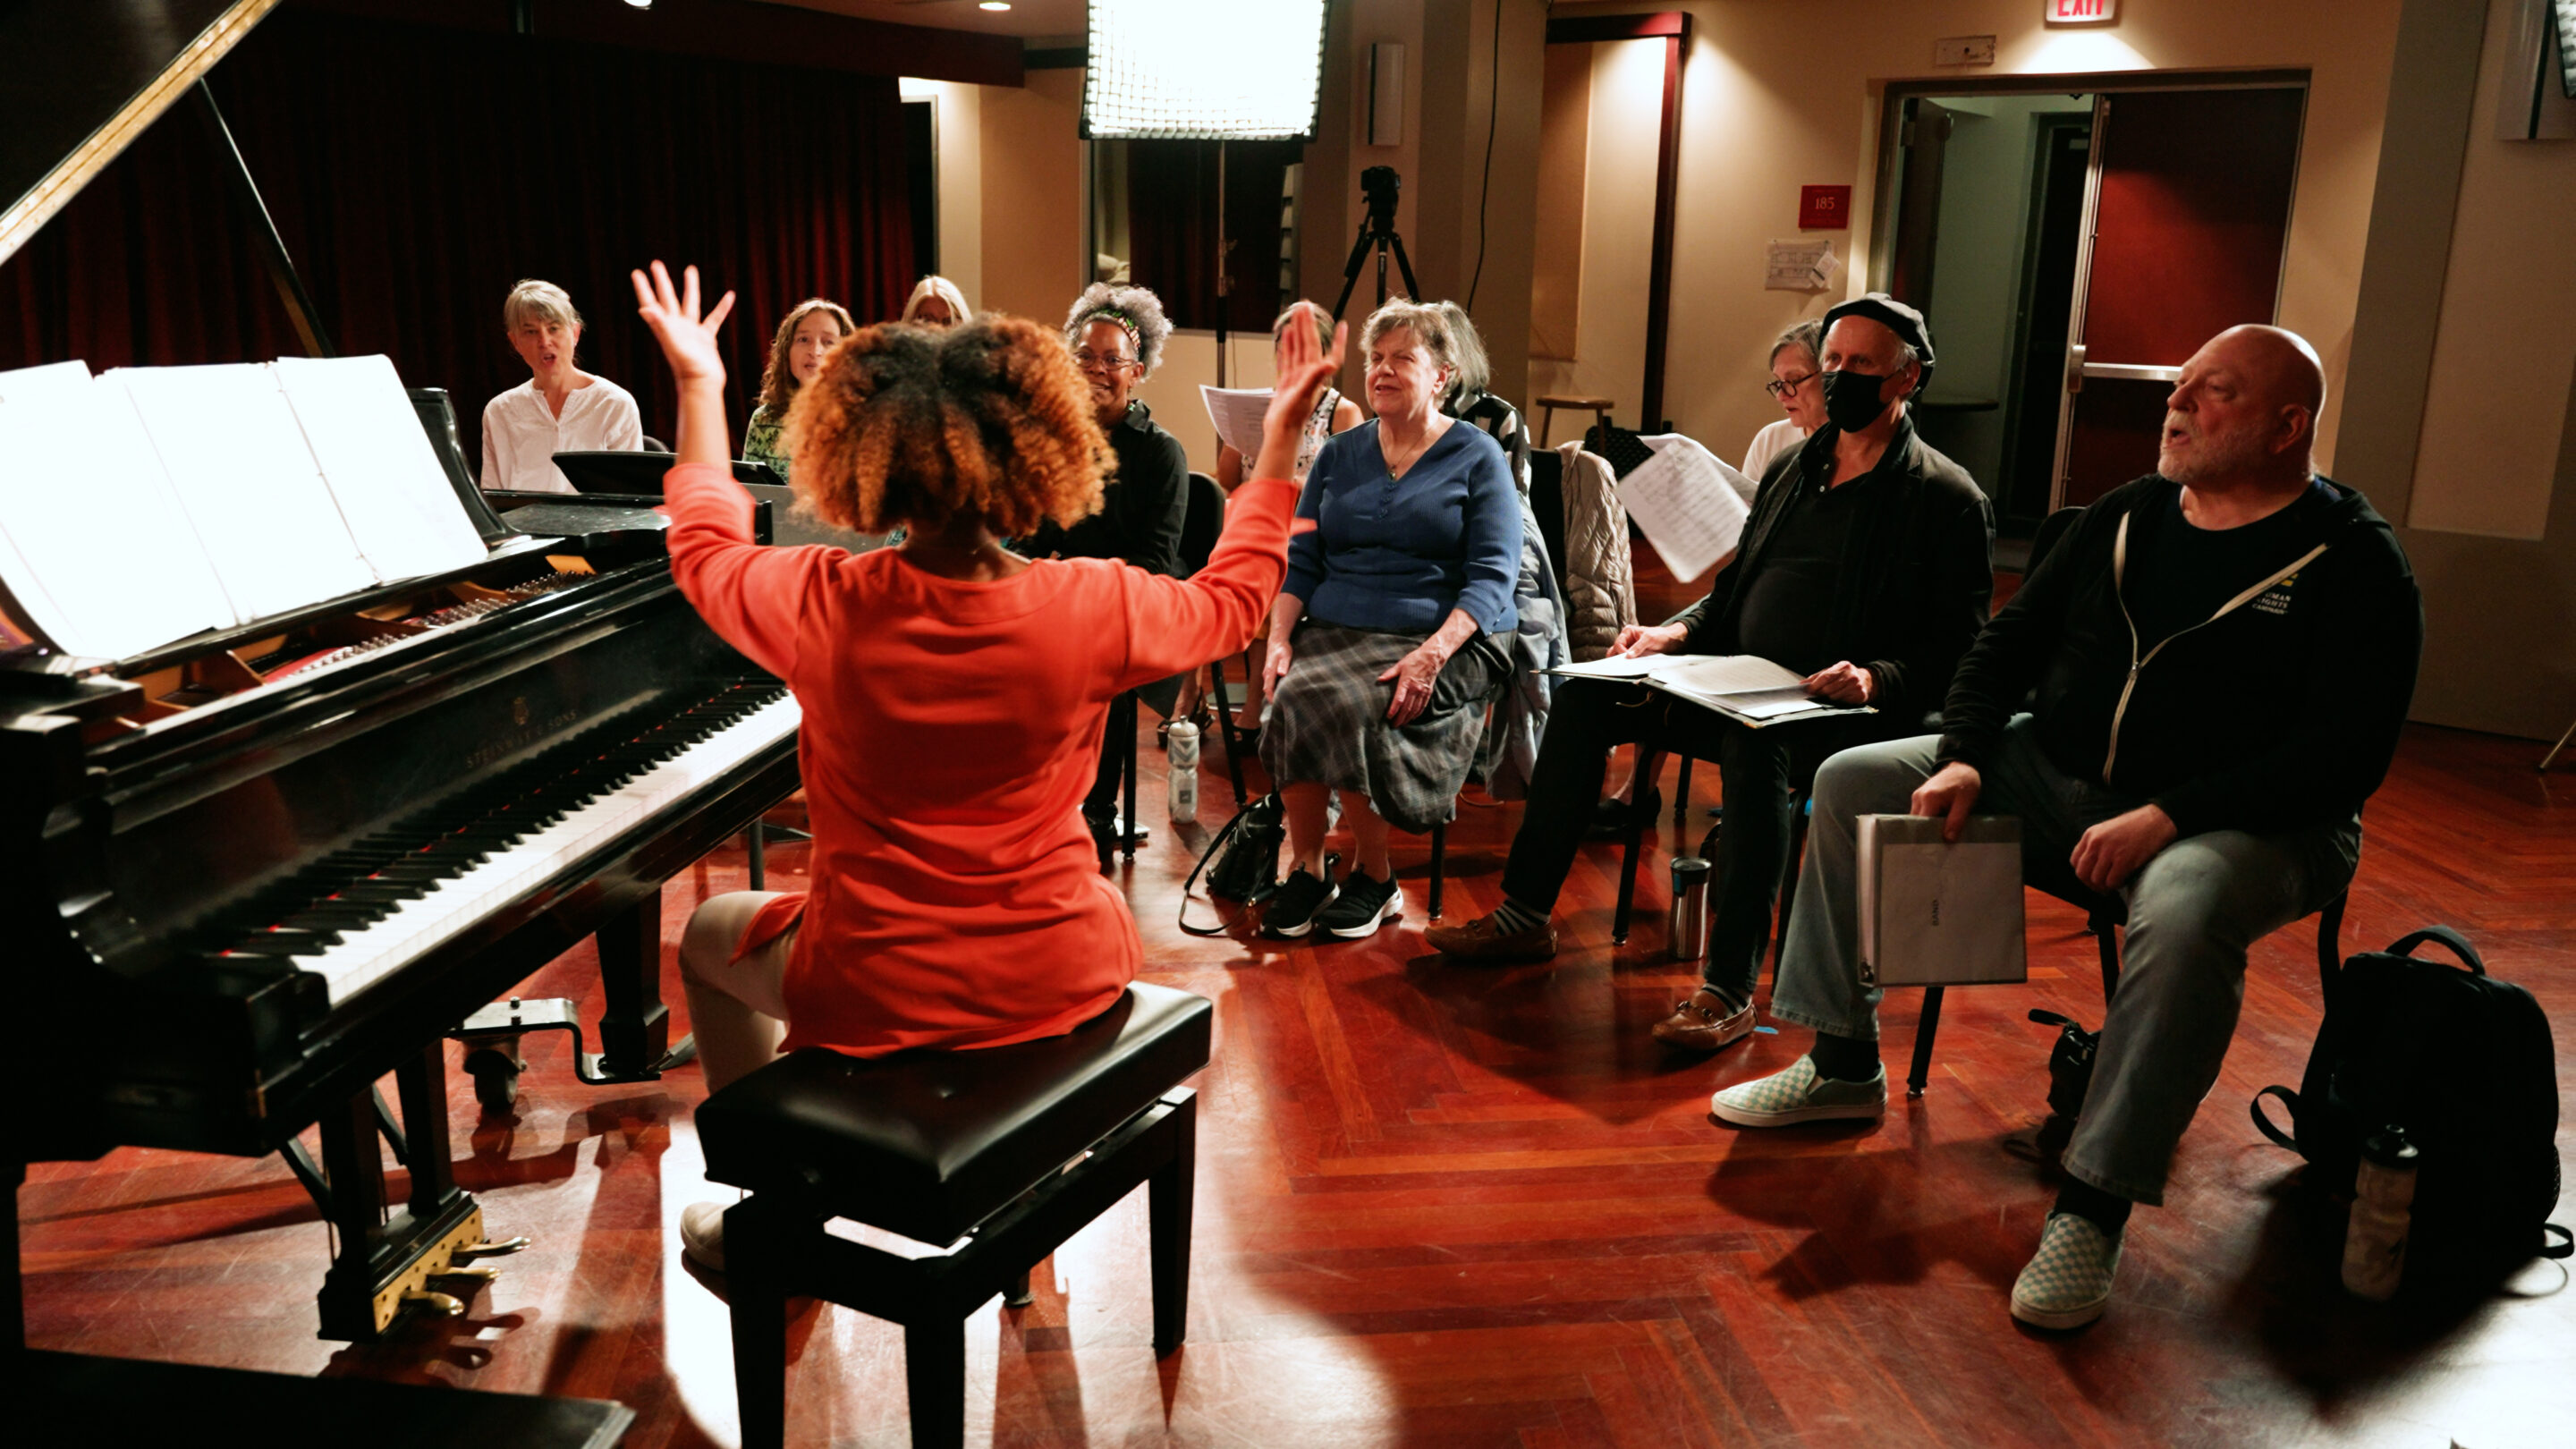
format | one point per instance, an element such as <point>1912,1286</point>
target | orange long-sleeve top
<point>950,731</point>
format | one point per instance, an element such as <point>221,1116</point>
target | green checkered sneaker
<point>1799,1095</point>
<point>2068,1281</point>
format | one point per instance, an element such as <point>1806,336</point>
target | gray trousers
<point>2193,912</point>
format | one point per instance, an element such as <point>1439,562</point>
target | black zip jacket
<point>1917,573</point>
<point>2276,715</point>
<point>1142,509</point>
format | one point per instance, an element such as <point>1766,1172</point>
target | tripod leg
<point>1351,270</point>
<point>1404,264</point>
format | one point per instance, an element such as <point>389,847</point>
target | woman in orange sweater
<point>952,692</point>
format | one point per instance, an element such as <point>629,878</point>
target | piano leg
<point>383,1262</point>
<point>635,1028</point>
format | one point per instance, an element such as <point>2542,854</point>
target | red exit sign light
<point>2080,12</point>
<point>1824,208</point>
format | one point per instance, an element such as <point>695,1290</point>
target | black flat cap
<point>1896,317</point>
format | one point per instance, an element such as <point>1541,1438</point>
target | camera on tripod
<point>1378,188</point>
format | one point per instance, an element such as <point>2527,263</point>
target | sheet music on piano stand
<point>378,465</point>
<point>247,480</point>
<point>99,552</point>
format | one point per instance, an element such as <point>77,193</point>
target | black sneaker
<point>1358,907</point>
<point>1295,905</point>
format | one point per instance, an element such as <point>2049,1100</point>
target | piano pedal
<point>454,1270</point>
<point>487,1249</point>
<point>439,1303</point>
<point>491,1037</point>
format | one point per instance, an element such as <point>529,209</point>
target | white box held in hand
<point>1934,913</point>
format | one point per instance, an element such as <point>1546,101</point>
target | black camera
<point>1378,185</point>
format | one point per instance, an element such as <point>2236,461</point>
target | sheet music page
<point>1718,675</point>
<point>247,480</point>
<point>1237,413</point>
<point>377,462</point>
<point>1686,506</point>
<point>1615,667</point>
<point>93,528</point>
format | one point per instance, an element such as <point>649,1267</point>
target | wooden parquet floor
<point>1442,1206</point>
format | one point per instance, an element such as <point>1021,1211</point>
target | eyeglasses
<point>1781,388</point>
<point>1102,361</point>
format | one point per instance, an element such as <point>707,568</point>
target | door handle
<point>2130,371</point>
<point>2075,367</point>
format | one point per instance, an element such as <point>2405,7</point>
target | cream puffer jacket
<point>1600,583</point>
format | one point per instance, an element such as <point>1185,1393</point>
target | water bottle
<point>1688,928</point>
<point>1181,753</point>
<point>2374,1245</point>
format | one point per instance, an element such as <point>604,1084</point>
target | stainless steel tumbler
<point>1689,924</point>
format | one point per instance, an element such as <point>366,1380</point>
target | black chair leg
<point>2106,941</point>
<point>759,1311</point>
<point>934,1373</point>
<point>1127,822</point>
<point>1681,794</point>
<point>756,853</point>
<point>1017,1295</point>
<point>1628,878</point>
<point>1439,866</point>
<point>1233,739</point>
<point>1924,1031</point>
<point>1170,1193</point>
<point>2330,934</point>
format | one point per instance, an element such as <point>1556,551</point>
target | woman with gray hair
<point>560,408</point>
<point>1469,400</point>
<point>1382,654</point>
<point>1116,334</point>
<point>1794,384</point>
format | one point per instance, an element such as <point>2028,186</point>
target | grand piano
<point>245,876</point>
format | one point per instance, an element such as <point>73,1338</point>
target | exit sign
<point>2080,12</point>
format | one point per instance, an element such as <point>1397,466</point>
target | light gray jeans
<point>2193,912</point>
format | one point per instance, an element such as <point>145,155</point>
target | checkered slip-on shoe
<point>2068,1281</point>
<point>1799,1095</point>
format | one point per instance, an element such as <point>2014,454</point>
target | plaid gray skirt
<point>1327,723</point>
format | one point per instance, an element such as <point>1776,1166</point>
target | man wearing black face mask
<point>1868,567</point>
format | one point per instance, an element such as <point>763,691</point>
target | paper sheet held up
<point>1687,502</point>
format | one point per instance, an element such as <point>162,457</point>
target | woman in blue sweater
<point>1381,659</point>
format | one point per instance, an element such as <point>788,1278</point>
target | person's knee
<point>1868,780</point>
<point>714,929</point>
<point>2193,902</point>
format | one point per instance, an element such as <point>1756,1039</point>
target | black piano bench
<point>942,1147</point>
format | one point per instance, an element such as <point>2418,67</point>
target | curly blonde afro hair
<point>922,426</point>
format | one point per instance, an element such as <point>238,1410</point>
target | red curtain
<point>1171,227</point>
<point>415,173</point>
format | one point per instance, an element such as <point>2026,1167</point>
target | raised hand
<point>1306,369</point>
<point>688,340</point>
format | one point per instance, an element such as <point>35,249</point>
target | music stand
<point>639,475</point>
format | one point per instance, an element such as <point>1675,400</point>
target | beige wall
<point>1780,93</point>
<point>958,139</point>
<point>2506,351</point>
<point>1032,178</point>
<point>1626,97</point>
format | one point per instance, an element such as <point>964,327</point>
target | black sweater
<point>2279,714</point>
<point>1142,509</point>
<point>1917,575</point>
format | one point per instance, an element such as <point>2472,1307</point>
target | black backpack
<point>2465,1064</point>
<point>1241,864</point>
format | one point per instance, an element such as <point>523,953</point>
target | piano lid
<point>83,78</point>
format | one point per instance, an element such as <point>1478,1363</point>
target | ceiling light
<point>641,4</point>
<point>993,4</point>
<point>1176,68</point>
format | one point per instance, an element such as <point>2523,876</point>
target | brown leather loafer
<point>1481,940</point>
<point>1705,1022</point>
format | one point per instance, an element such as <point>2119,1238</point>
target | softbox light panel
<point>1204,70</point>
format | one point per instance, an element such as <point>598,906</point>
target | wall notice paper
<point>98,552</point>
<point>1237,413</point>
<point>1750,690</point>
<point>1799,266</point>
<point>1937,914</point>
<point>248,483</point>
<point>377,462</point>
<point>1686,502</point>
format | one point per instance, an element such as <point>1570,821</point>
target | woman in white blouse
<point>560,408</point>
<point>1801,394</point>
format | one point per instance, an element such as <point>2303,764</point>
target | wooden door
<point>2189,209</point>
<point>1923,142</point>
